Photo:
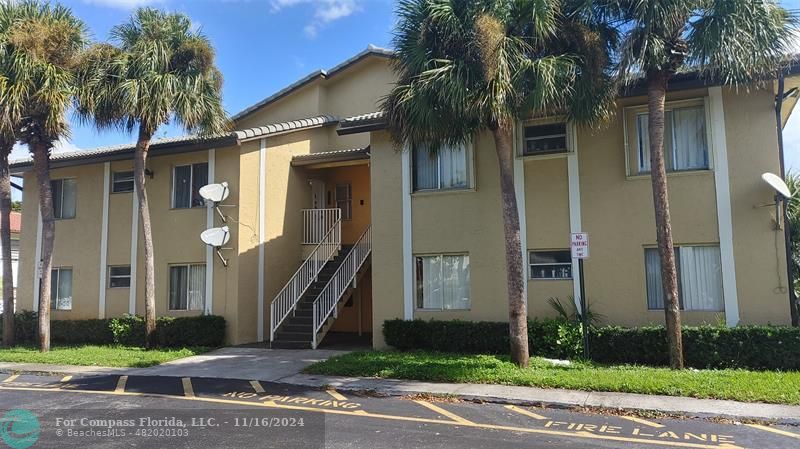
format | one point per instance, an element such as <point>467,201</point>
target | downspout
<point>787,234</point>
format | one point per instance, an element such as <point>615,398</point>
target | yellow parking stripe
<point>66,379</point>
<point>121,384</point>
<point>525,412</point>
<point>10,378</point>
<point>643,421</point>
<point>257,386</point>
<point>444,412</point>
<point>336,395</point>
<point>188,391</point>
<point>774,430</point>
<point>362,413</point>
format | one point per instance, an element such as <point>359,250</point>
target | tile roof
<point>362,123</point>
<point>371,50</point>
<point>226,139</point>
<point>334,154</point>
<point>16,222</point>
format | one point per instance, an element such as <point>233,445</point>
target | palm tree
<point>40,45</point>
<point>470,66</point>
<point>161,71</point>
<point>732,42</point>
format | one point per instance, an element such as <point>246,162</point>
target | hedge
<point>204,330</point>
<point>705,347</point>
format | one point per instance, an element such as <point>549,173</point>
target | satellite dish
<point>777,183</point>
<point>216,237</point>
<point>215,193</point>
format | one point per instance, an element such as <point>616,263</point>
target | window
<point>119,277</point>
<point>685,139</point>
<point>61,289</point>
<point>443,282</point>
<point>187,287</point>
<point>64,192</point>
<point>344,200</point>
<point>699,278</point>
<point>122,181</point>
<point>447,168</point>
<point>545,139</point>
<point>550,264</point>
<point>186,183</point>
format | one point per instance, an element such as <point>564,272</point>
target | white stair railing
<point>317,223</point>
<point>286,300</point>
<point>328,298</point>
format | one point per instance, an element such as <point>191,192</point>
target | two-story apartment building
<point>334,226</point>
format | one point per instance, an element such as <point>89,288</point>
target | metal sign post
<point>579,247</point>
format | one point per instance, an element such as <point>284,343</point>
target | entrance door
<point>317,194</point>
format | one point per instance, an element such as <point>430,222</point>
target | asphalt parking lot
<point>149,411</point>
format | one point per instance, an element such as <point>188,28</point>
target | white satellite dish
<point>777,183</point>
<point>216,193</point>
<point>216,237</point>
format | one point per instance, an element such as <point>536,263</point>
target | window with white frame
<point>64,198</point>
<point>443,168</point>
<point>122,182</point>
<point>686,143</point>
<point>699,278</point>
<point>119,277</point>
<point>443,282</point>
<point>550,264</point>
<point>544,139</point>
<point>187,287</point>
<point>61,288</point>
<point>186,183</point>
<point>344,200</point>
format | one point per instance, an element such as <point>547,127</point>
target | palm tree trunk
<point>656,94</point>
<point>517,306</point>
<point>41,164</point>
<point>5,243</point>
<point>139,166</point>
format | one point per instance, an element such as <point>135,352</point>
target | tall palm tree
<point>42,43</point>
<point>730,41</point>
<point>470,66</point>
<point>9,123</point>
<point>160,71</point>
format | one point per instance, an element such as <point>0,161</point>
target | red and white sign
<point>579,245</point>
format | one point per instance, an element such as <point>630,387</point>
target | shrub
<point>748,347</point>
<point>205,330</point>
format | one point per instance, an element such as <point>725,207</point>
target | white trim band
<point>37,266</point>
<point>134,250</point>
<point>209,305</point>
<point>101,313</point>
<point>262,182</point>
<point>408,262</point>
<point>574,188</point>
<point>719,144</point>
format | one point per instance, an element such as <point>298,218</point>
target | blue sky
<point>264,45</point>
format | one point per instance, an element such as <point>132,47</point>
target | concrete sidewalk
<point>285,366</point>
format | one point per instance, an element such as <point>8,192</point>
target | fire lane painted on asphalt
<point>552,422</point>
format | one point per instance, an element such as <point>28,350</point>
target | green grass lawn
<point>740,385</point>
<point>90,355</point>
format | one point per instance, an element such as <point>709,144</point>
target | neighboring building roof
<point>371,50</point>
<point>352,154</point>
<point>175,144</point>
<point>16,222</point>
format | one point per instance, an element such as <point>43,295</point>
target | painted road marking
<point>121,385</point>
<point>643,421</point>
<point>65,379</point>
<point>444,412</point>
<point>257,386</point>
<point>188,391</point>
<point>774,430</point>
<point>10,378</point>
<point>364,414</point>
<point>525,412</point>
<point>336,395</point>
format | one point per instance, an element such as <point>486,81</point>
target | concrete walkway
<point>285,366</point>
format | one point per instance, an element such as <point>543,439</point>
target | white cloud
<point>325,11</point>
<point>122,4</point>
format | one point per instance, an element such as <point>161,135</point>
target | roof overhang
<point>337,158</point>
